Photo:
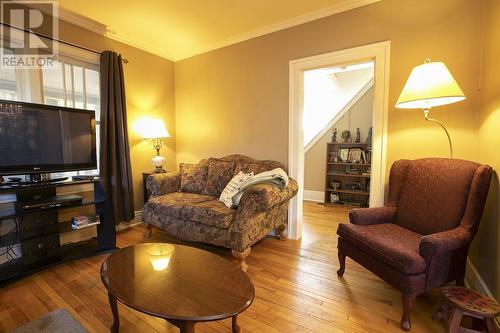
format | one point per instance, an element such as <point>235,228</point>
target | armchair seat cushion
<point>193,207</point>
<point>389,243</point>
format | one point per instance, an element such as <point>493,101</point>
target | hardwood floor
<point>297,290</point>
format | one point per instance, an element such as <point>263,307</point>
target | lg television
<point>37,138</point>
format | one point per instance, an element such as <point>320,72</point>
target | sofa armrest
<point>375,215</point>
<point>445,241</point>
<point>163,183</point>
<point>261,197</point>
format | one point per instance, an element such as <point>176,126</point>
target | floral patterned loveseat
<point>185,204</point>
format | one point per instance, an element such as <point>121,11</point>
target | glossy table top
<point>177,282</point>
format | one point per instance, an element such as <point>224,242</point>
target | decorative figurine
<point>346,136</point>
<point>369,137</point>
<point>334,135</point>
<point>358,136</point>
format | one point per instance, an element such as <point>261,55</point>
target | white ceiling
<point>178,29</point>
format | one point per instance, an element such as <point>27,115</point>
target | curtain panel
<point>114,167</point>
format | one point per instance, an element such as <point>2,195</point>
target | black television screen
<point>38,138</point>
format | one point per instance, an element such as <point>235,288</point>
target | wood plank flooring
<point>297,290</point>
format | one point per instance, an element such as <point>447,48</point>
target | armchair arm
<point>444,242</point>
<point>375,215</point>
<point>261,197</point>
<point>163,183</point>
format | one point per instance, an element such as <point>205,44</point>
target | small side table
<point>467,302</point>
<point>144,188</point>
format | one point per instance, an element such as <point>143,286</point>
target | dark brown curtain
<point>115,171</point>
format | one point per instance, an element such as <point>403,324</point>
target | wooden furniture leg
<point>341,270</point>
<point>408,303</point>
<point>234,324</point>
<point>281,232</point>
<point>454,321</point>
<point>114,309</point>
<point>240,258</point>
<point>183,326</point>
<point>490,325</point>
<point>149,232</point>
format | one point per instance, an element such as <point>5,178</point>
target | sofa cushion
<point>193,177</point>
<point>171,204</point>
<point>212,213</point>
<point>220,173</point>
<point>256,166</point>
<point>393,245</point>
<point>193,207</point>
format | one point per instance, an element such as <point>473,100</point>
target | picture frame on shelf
<point>334,198</point>
<point>333,157</point>
<point>355,155</point>
<point>344,154</point>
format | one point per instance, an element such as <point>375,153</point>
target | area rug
<point>58,321</point>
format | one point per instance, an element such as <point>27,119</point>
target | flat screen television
<point>37,138</point>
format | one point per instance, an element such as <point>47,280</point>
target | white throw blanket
<point>231,195</point>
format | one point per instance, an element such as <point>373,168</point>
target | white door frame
<point>380,54</point>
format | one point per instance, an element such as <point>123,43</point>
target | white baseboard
<point>316,196</point>
<point>126,225</point>
<point>474,281</point>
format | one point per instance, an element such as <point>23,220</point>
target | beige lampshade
<point>152,129</point>
<point>430,84</point>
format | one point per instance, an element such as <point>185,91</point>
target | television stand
<point>35,238</point>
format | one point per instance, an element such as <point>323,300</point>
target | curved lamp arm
<point>426,114</point>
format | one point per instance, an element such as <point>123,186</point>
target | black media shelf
<point>37,234</point>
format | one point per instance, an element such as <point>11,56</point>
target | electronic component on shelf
<point>57,201</point>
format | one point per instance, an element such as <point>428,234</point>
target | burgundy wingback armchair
<point>419,240</point>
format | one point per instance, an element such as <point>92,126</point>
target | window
<point>73,83</point>
<point>8,82</point>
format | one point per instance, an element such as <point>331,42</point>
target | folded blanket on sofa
<point>231,195</point>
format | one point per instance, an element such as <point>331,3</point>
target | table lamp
<point>155,130</point>
<point>430,84</point>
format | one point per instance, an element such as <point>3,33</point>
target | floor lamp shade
<point>430,84</point>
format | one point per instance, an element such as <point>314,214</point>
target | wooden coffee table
<point>178,283</point>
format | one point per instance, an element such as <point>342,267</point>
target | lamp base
<point>158,170</point>
<point>158,162</point>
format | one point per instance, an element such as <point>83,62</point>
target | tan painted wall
<point>149,84</point>
<point>235,99</point>
<point>359,116</point>
<point>485,251</point>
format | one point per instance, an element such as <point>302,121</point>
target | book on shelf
<point>80,222</point>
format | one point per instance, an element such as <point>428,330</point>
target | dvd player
<point>48,203</point>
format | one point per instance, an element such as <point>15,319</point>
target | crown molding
<point>340,7</point>
<point>82,21</point>
<point>101,29</point>
<point>139,45</point>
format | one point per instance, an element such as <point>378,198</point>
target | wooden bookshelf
<point>352,177</point>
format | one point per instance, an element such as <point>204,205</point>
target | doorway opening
<point>338,115</point>
<point>353,73</point>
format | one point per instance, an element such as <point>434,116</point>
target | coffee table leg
<point>184,326</point>
<point>114,309</point>
<point>236,327</point>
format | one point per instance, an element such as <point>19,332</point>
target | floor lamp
<point>430,84</point>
